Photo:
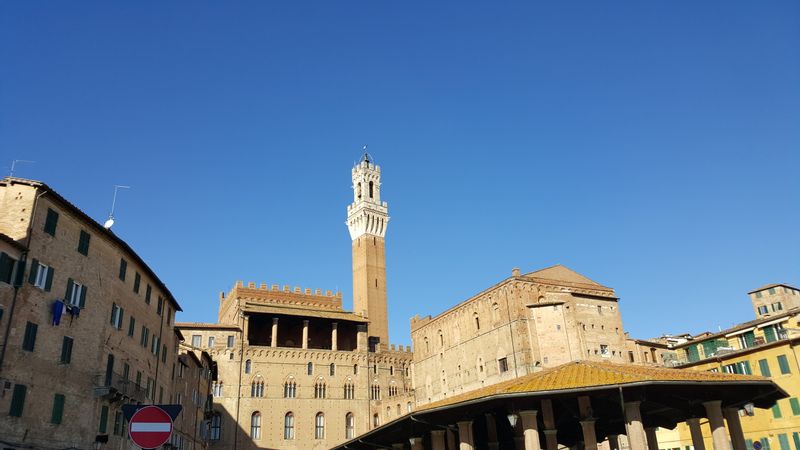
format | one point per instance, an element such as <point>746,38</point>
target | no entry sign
<point>150,427</point>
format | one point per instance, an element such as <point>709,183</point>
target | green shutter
<point>765,443</point>
<point>776,411</point>
<point>747,369</point>
<point>769,334</point>
<point>795,404</point>
<point>123,266</point>
<point>692,353</point>
<point>70,287</point>
<point>113,310</point>
<point>51,222</point>
<point>748,443</point>
<point>58,409</point>
<point>750,339</point>
<point>784,364</point>
<point>82,303</point>
<point>66,350</point>
<point>796,438</point>
<point>20,273</point>
<point>34,269</point>
<point>18,400</point>
<point>103,420</point>
<point>784,440</point>
<point>763,364</point>
<point>29,342</point>
<point>121,317</point>
<point>49,282</point>
<point>6,267</point>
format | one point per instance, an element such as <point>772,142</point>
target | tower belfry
<point>367,218</point>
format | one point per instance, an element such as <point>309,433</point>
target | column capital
<point>305,322</point>
<point>275,320</point>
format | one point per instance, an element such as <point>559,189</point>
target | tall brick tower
<point>367,218</point>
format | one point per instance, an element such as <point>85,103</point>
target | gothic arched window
<point>248,366</point>
<point>349,426</point>
<point>255,425</point>
<point>288,426</point>
<point>319,426</point>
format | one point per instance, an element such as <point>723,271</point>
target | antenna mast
<point>110,220</point>
<point>14,165</point>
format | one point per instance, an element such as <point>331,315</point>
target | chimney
<point>515,272</point>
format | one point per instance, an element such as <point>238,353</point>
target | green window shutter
<point>692,353</point>
<point>103,420</point>
<point>747,442</point>
<point>58,409</point>
<point>796,438</point>
<point>113,312</point>
<point>776,411</point>
<point>66,350</point>
<point>131,326</point>
<point>750,339</point>
<point>147,292</point>
<point>784,440</point>
<point>794,402</point>
<point>51,222</point>
<point>18,400</point>
<point>82,303</point>
<point>20,278</point>
<point>769,334</point>
<point>68,294</point>
<point>784,364</point>
<point>6,267</point>
<point>29,342</point>
<point>34,269</point>
<point>121,316</point>
<point>49,282</point>
<point>765,443</point>
<point>123,266</point>
<point>137,279</point>
<point>763,365</point>
<point>83,243</point>
<point>747,369</point>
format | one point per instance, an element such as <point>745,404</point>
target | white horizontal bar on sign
<point>152,427</point>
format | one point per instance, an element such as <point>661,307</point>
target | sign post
<point>150,427</point>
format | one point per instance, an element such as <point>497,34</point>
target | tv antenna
<point>110,222</point>
<point>14,165</point>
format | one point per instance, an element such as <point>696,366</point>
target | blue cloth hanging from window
<point>58,311</point>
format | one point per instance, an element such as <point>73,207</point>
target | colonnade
<point>526,426</point>
<point>304,341</point>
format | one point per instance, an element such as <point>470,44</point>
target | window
<point>7,264</point>
<point>784,364</point>
<point>216,427</point>
<point>41,275</point>
<point>102,427</point>
<point>503,364</point>
<point>355,369</point>
<point>795,404</point>
<point>211,343</point>
<point>230,341</point>
<point>290,389</point>
<point>29,341</point>
<point>76,294</point>
<point>123,267</point>
<point>18,400</point>
<point>375,392</point>
<point>776,411</point>
<point>349,426</point>
<point>477,321</point>
<point>257,387</point>
<point>58,409</point>
<point>763,309</point>
<point>248,366</point>
<point>148,291</point>
<point>376,420</point>
<point>288,426</point>
<point>604,351</point>
<point>777,306</point>
<point>116,316</point>
<point>145,337</point>
<point>119,424</point>
<point>131,326</point>
<point>255,425</point>
<point>310,368</point>
<point>349,390</point>
<point>137,280</point>
<point>160,305</point>
<point>197,340</point>
<point>758,294</point>
<point>630,356</point>
<point>83,243</point>
<point>319,388</point>
<point>319,426</point>
<point>51,222</point>
<point>771,291</point>
<point>332,369</point>
<point>409,407</point>
<point>763,365</point>
<point>741,367</point>
<point>66,350</point>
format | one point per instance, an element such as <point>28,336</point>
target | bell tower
<point>367,218</point>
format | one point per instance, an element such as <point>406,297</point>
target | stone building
<point>521,325</point>
<point>774,298</point>
<point>191,388</point>
<point>87,325</point>
<point>297,371</point>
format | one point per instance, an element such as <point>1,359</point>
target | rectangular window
<point>51,222</point>
<point>7,264</point>
<point>604,351</point>
<point>159,306</point>
<point>131,326</point>
<point>66,350</point>
<point>119,425</point>
<point>763,309</point>
<point>58,409</point>
<point>776,411</point>
<point>148,291</point>
<point>796,439</point>
<point>18,400</point>
<point>211,341</point>
<point>758,294</point>
<point>197,340</point>
<point>103,426</point>
<point>783,363</point>
<point>763,364</point>
<point>795,404</point>
<point>83,243</point>
<point>145,337</point>
<point>41,275</point>
<point>123,267</point>
<point>230,341</point>
<point>116,316</point>
<point>169,316</point>
<point>777,306</point>
<point>29,341</point>
<point>76,294</point>
<point>137,280</point>
<point>503,364</point>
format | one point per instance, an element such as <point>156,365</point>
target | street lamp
<point>512,419</point>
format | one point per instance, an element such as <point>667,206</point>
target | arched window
<point>290,388</point>
<point>399,410</point>
<point>333,369</point>
<point>216,427</point>
<point>216,388</point>
<point>388,412</point>
<point>408,407</point>
<point>257,387</point>
<point>319,388</point>
<point>477,321</point>
<point>371,191</point>
<point>349,390</point>
<point>288,426</point>
<point>255,425</point>
<point>355,369</point>
<point>248,366</point>
<point>427,346</point>
<point>375,392</point>
<point>310,368</point>
<point>391,370</point>
<point>441,339</point>
<point>358,190</point>
<point>349,426</point>
<point>319,426</point>
<point>495,312</point>
<point>376,420</point>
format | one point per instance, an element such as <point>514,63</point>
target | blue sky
<point>651,146</point>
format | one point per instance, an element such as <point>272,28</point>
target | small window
<point>41,275</point>
<point>355,369</point>
<point>51,222</point>
<point>76,294</point>
<point>137,281</point>
<point>319,426</point>
<point>310,368</point>
<point>503,365</point>
<point>211,342</point>
<point>230,341</point>
<point>29,341</point>
<point>604,351</point>
<point>349,426</point>
<point>197,340</point>
<point>290,389</point>
<point>131,326</point>
<point>758,295</point>
<point>160,305</point>
<point>771,291</point>
<point>333,369</point>
<point>376,420</point>
<point>83,243</point>
<point>66,351</point>
<point>58,409</point>
<point>123,268</point>
<point>148,291</point>
<point>255,425</point>
<point>248,366</point>
<point>18,400</point>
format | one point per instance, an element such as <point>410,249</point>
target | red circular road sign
<point>150,427</point>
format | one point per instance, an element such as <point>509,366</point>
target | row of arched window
<point>289,426</point>
<point>248,368</point>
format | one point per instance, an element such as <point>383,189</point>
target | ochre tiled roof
<point>591,374</point>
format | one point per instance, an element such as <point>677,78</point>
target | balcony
<point>114,387</point>
<point>726,351</point>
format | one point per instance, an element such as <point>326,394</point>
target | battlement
<point>417,322</point>
<point>367,165</point>
<point>287,295</point>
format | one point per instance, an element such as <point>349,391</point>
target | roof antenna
<point>14,164</point>
<point>110,222</point>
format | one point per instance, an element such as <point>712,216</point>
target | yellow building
<point>765,347</point>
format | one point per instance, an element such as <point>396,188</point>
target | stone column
<point>491,432</point>
<point>550,432</point>
<point>305,334</point>
<point>246,329</point>
<point>613,442</point>
<point>735,428</point>
<point>589,434</point>
<point>530,429</point>
<point>451,439</point>
<point>652,439</point>
<point>719,434</point>
<point>274,342</point>
<point>416,443</point>
<point>465,435</point>
<point>697,434</point>
<point>633,424</point>
<point>334,342</point>
<point>437,440</point>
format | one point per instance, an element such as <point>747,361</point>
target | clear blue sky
<point>652,146</point>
